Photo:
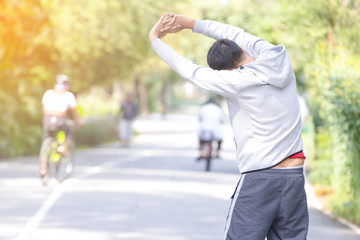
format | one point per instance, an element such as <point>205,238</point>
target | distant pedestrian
<point>129,111</point>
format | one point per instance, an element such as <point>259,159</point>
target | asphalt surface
<point>154,190</point>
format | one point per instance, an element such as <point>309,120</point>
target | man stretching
<point>257,80</point>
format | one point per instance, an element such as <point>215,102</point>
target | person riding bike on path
<point>55,106</point>
<point>210,129</point>
<point>259,85</point>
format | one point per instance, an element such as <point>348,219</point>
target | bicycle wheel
<point>44,157</point>
<point>65,165</point>
<point>208,149</point>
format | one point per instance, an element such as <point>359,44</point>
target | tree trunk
<point>331,26</point>
<point>164,97</point>
<point>142,92</point>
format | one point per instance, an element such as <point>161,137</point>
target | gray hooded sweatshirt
<point>261,96</point>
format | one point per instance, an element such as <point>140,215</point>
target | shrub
<point>335,97</point>
<point>96,131</point>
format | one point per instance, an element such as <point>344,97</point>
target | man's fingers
<point>171,29</point>
<point>165,29</point>
<point>168,18</point>
<point>172,20</point>
<point>162,19</point>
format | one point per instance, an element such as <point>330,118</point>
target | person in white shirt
<point>56,103</point>
<point>210,125</point>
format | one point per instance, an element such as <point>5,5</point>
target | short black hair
<point>224,54</point>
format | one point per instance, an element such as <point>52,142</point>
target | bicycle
<point>57,152</point>
<point>206,148</point>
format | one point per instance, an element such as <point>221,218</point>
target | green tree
<point>94,42</point>
<point>21,55</point>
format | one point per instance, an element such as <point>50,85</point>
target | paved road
<point>154,190</point>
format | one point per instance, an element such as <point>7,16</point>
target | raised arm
<point>206,78</point>
<point>219,82</point>
<point>253,45</point>
<point>172,23</point>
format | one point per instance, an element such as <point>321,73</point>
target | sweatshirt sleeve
<point>253,45</point>
<point>225,83</point>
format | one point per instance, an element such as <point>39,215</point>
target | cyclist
<point>56,103</point>
<point>210,129</point>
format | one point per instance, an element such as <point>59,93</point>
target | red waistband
<point>298,155</point>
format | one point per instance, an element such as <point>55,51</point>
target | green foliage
<point>335,96</point>
<point>97,102</point>
<point>97,131</point>
<point>322,169</point>
<point>94,42</point>
<point>21,53</point>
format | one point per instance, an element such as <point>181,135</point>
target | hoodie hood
<point>273,67</point>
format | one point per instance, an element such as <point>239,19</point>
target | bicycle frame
<point>58,140</point>
<point>58,163</point>
<point>206,153</point>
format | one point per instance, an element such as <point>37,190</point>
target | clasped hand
<point>168,23</point>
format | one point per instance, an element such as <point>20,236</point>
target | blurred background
<point>103,47</point>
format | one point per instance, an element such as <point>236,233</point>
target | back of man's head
<point>224,54</point>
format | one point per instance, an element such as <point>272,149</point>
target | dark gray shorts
<point>269,203</point>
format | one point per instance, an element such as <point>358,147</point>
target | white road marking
<point>50,201</point>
